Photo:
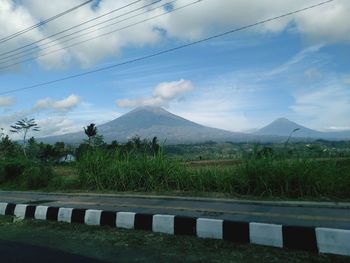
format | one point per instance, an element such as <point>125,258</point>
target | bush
<point>12,169</point>
<point>36,177</point>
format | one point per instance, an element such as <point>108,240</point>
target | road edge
<point>316,239</point>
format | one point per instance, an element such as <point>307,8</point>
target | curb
<point>317,239</point>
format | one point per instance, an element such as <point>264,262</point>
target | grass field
<point>270,176</point>
<point>116,245</point>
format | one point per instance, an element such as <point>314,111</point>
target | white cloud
<point>163,93</point>
<point>58,105</point>
<point>7,101</point>
<point>324,107</point>
<point>299,57</point>
<point>191,23</point>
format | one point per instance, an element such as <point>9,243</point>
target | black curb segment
<point>52,213</point>
<point>78,216</point>
<point>10,209</point>
<point>108,218</point>
<point>236,231</point>
<point>30,211</point>
<point>184,225</point>
<point>297,237</point>
<point>143,221</point>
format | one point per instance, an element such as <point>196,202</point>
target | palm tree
<point>22,127</point>
<point>90,131</point>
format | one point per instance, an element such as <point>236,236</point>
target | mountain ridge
<point>148,122</point>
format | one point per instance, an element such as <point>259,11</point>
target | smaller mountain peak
<point>282,119</point>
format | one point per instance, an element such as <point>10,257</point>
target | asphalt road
<point>333,215</point>
<point>14,252</point>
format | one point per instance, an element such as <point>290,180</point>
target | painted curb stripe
<point>108,218</point>
<point>78,216</point>
<point>92,217</point>
<point>125,220</point>
<point>237,232</point>
<point>299,238</point>
<point>3,208</point>
<point>10,209</point>
<point>266,234</point>
<point>323,240</point>
<point>20,211</point>
<point>334,241</point>
<point>163,224</point>
<point>52,213</point>
<point>143,222</point>
<point>184,225</point>
<point>30,211</point>
<point>209,228</point>
<point>41,212</point>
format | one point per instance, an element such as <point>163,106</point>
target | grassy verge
<point>268,177</point>
<point>115,245</point>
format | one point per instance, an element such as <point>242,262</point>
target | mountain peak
<point>284,127</point>
<point>282,119</point>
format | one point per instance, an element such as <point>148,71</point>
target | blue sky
<point>296,67</point>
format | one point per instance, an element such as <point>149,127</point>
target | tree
<point>90,131</point>
<point>154,145</point>
<point>23,127</point>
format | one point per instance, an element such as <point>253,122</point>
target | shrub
<point>36,177</point>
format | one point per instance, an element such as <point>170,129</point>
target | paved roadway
<point>14,252</point>
<point>328,214</point>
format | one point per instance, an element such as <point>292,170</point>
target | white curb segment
<point>64,215</point>
<point>125,220</point>
<point>3,208</point>
<point>92,217</point>
<point>334,241</point>
<point>209,228</point>
<point>20,211</point>
<point>163,224</point>
<point>266,234</point>
<point>40,212</point>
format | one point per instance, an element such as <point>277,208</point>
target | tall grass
<point>103,169</point>
<point>264,176</point>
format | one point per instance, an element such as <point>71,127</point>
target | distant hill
<point>283,127</point>
<point>148,122</point>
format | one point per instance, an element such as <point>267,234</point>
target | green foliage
<point>101,169</point>
<point>36,177</point>
<point>12,169</point>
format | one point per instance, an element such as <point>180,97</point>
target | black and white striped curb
<point>318,239</point>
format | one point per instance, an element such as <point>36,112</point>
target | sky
<point>296,67</point>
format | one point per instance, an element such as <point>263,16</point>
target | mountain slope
<point>148,122</point>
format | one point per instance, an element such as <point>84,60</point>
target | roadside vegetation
<point>292,170</point>
<point>118,245</point>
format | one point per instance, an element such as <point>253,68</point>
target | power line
<point>70,28</point>
<point>15,56</point>
<point>98,36</point>
<point>167,50</point>
<point>4,39</point>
